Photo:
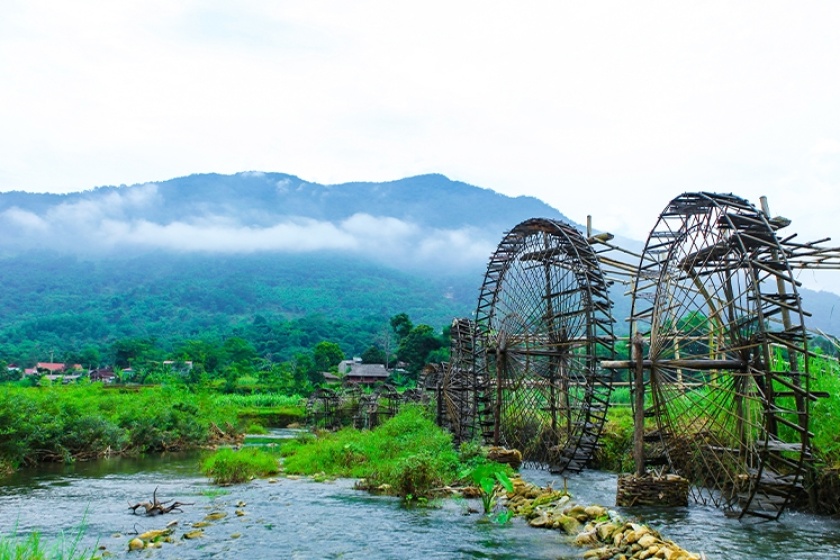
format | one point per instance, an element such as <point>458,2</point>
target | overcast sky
<point>602,108</point>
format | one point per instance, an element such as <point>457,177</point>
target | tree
<point>90,357</point>
<point>327,355</point>
<point>131,351</point>
<point>416,347</point>
<point>240,351</point>
<point>305,373</point>
<point>373,355</point>
<point>401,325</point>
<point>7,374</point>
<point>207,354</point>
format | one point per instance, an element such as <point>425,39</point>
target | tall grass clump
<point>229,466</point>
<point>825,376</point>
<point>32,547</point>
<point>408,455</point>
<point>260,400</point>
<point>265,409</point>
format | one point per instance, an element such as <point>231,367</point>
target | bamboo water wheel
<point>726,361</point>
<point>542,321</point>
<point>322,409</point>
<point>453,384</point>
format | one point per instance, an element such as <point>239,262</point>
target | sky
<point>609,109</point>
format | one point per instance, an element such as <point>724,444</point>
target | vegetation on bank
<point>232,466</point>
<point>85,421</point>
<point>407,456</point>
<point>258,411</point>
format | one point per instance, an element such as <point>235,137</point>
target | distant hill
<point>209,253</point>
<point>415,221</point>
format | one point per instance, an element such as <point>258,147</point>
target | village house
<point>105,375</point>
<point>53,368</point>
<point>354,371</point>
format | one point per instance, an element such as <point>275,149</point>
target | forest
<point>154,308</point>
<point>289,357</point>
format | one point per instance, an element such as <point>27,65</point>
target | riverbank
<point>85,421</point>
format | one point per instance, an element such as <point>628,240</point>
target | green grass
<point>408,455</point>
<point>825,376</point>
<point>279,416</point>
<point>32,547</point>
<point>256,429</point>
<point>260,400</point>
<point>615,447</point>
<point>229,466</point>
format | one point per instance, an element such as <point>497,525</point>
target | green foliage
<point>488,477</point>
<point>825,374</point>
<point>260,400</point>
<point>408,454</point>
<point>32,547</point>
<point>417,346</point>
<point>401,325</point>
<point>147,308</point>
<point>327,355</point>
<point>64,423</point>
<point>228,466</point>
<point>374,355</point>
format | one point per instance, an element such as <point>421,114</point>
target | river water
<point>302,519</point>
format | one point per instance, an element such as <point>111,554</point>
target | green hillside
<point>53,304</point>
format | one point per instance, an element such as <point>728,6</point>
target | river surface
<point>302,519</point>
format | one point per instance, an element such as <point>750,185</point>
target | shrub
<point>228,466</point>
<point>408,453</point>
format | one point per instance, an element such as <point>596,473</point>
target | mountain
<point>411,222</point>
<point>207,255</point>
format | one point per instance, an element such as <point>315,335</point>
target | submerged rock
<point>194,534</point>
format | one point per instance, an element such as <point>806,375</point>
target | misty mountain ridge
<point>208,250</point>
<point>413,222</point>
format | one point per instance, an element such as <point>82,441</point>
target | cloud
<point>30,222</point>
<point>827,146</point>
<point>94,227</point>
<point>95,208</point>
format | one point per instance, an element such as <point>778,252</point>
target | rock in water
<point>512,457</point>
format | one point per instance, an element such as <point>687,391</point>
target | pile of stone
<point>603,530</point>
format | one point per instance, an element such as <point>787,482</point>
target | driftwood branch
<point>156,507</point>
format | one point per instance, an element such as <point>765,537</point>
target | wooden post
<point>639,404</point>
<point>500,373</point>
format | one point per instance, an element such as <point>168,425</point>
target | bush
<point>228,466</point>
<point>408,454</point>
<point>64,423</point>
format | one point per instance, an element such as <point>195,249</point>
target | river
<point>302,519</point>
